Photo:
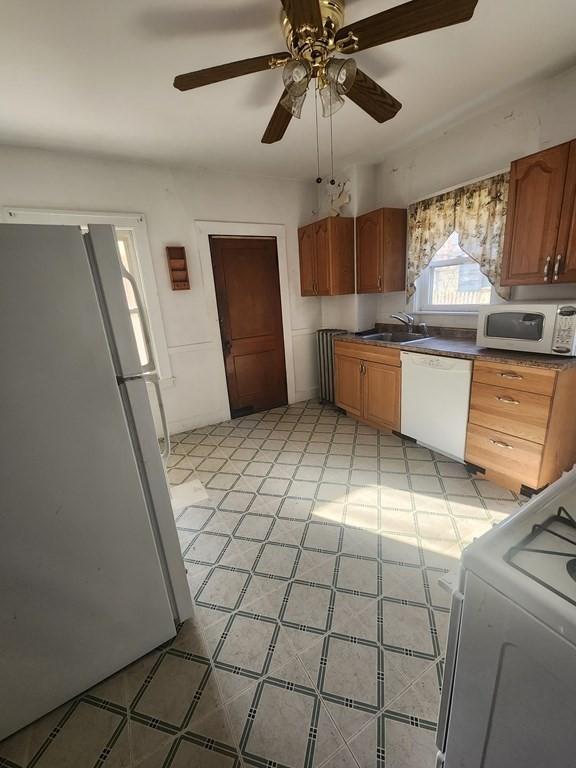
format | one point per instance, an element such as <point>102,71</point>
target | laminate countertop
<point>468,350</point>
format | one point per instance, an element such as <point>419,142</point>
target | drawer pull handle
<point>507,400</point>
<point>515,376</point>
<point>501,444</point>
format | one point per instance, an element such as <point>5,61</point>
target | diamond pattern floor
<point>319,623</point>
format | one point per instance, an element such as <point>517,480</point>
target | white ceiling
<point>96,76</point>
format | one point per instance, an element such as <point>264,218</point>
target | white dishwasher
<point>435,400</point>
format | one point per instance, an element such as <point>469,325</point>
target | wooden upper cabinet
<point>307,247</point>
<point>327,257</point>
<point>566,271</point>
<point>540,221</point>
<point>323,266</point>
<point>381,251</point>
<point>368,253</point>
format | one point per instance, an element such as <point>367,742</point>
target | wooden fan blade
<point>373,99</point>
<point>406,20</point>
<point>227,71</point>
<point>279,121</point>
<point>303,13</point>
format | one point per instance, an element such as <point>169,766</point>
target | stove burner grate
<point>563,517</point>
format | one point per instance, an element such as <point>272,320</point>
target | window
<point>452,282</point>
<point>134,248</point>
<point>129,261</point>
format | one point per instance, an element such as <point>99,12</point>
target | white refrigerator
<point>91,575</point>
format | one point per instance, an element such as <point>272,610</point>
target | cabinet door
<point>565,267</point>
<point>323,281</point>
<point>394,225</point>
<point>342,275</point>
<point>369,253</point>
<point>534,208</point>
<point>348,384</point>
<point>381,395</point>
<point>307,246</point>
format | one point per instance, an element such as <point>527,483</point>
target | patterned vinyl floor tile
<point>319,628</point>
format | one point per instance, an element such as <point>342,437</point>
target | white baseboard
<point>194,422</point>
<point>307,394</point>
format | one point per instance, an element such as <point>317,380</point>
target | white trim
<point>133,221</point>
<point>471,312</point>
<point>230,229</point>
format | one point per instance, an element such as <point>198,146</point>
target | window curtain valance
<point>477,212</point>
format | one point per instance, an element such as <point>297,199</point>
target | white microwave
<point>536,327</point>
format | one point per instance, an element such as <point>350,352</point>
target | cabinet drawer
<point>517,458</point>
<point>522,414</point>
<point>540,381</point>
<point>369,352</point>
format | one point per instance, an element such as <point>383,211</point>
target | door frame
<point>245,229</point>
<point>136,223</point>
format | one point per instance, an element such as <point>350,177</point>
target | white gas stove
<point>509,693</point>
<point>548,554</point>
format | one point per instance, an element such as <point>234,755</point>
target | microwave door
<point>522,328</point>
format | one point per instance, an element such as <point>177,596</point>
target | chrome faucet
<point>404,318</point>
<point>408,321</point>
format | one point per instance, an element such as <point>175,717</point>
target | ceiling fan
<point>315,35</point>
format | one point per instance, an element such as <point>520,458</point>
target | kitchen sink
<point>397,337</point>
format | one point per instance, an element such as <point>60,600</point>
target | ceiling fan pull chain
<point>332,179</point>
<point>318,177</point>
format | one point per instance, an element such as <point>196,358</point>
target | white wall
<point>539,117</point>
<point>358,311</point>
<point>172,201</point>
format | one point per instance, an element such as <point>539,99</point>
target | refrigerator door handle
<point>150,366</point>
<point>154,379</point>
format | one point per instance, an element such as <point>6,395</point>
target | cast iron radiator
<point>326,362</point>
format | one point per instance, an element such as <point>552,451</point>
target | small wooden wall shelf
<point>178,267</point>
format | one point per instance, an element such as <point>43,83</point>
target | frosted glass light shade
<point>331,100</point>
<point>296,76</point>
<point>341,72</point>
<point>294,104</point>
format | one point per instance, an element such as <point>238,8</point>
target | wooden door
<point>534,208</point>
<point>250,313</point>
<point>565,268</point>
<point>348,382</point>
<point>323,256</point>
<point>307,247</point>
<point>369,253</point>
<point>381,395</point>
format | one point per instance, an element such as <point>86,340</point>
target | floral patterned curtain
<point>480,221</point>
<point>477,212</point>
<point>430,224</point>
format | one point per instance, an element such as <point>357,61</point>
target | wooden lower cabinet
<point>522,423</point>
<point>368,383</point>
<point>382,395</point>
<point>348,373</point>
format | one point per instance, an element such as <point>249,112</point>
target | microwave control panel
<point>563,341</point>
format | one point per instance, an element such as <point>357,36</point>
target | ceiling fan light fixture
<point>294,104</point>
<point>296,76</point>
<point>342,73</point>
<point>330,99</point>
